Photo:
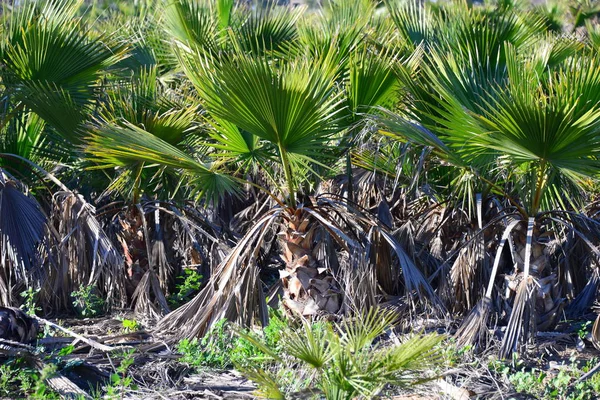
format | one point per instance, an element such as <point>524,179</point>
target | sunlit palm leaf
<point>52,64</point>
<point>292,106</point>
<point>111,145</point>
<point>268,28</point>
<point>524,123</point>
<point>194,24</point>
<point>314,346</point>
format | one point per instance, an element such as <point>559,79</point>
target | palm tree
<point>528,133</point>
<point>50,69</point>
<point>277,122</point>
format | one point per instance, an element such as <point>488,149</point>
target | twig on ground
<point>69,332</point>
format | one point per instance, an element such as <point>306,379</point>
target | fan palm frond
<point>22,225</point>
<point>291,106</point>
<point>270,28</point>
<point>194,24</point>
<point>51,63</point>
<point>112,145</point>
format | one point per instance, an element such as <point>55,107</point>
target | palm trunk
<point>308,288</point>
<point>535,307</point>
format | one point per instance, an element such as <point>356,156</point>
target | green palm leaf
<point>120,145</point>
<point>269,28</point>
<point>194,24</point>
<point>290,105</point>
<point>51,63</point>
<point>537,130</point>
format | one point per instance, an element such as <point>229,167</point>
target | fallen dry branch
<point>15,349</point>
<point>93,343</point>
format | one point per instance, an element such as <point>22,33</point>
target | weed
<point>221,349</point>
<point>120,380</point>
<point>188,285</point>
<point>130,325</point>
<point>17,380</point>
<point>87,303</point>
<point>212,351</point>
<point>65,351</point>
<point>29,301</point>
<point>544,385</point>
<point>454,355</point>
<point>40,389</point>
<point>583,330</point>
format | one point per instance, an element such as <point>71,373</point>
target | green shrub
<point>17,380</point>
<point>188,285</point>
<point>221,348</point>
<point>343,361</point>
<point>562,386</point>
<point>87,303</point>
<point>212,351</point>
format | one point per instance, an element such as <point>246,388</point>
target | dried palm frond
<point>149,299</point>
<point>234,290</point>
<point>22,225</point>
<point>522,321</point>
<point>415,283</point>
<point>596,333</point>
<point>462,275</point>
<point>82,255</point>
<point>586,297</point>
<point>474,328</point>
<point>467,265</point>
<point>17,326</point>
<point>359,283</point>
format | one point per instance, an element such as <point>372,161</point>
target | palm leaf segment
<point>149,105</point>
<point>111,145</point>
<point>51,63</point>
<point>22,225</point>
<point>537,131</point>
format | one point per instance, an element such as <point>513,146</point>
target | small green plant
<point>120,380</point>
<point>188,285</point>
<point>17,380</point>
<point>65,351</point>
<point>343,361</point>
<point>583,330</point>
<point>543,385</point>
<point>453,354</point>
<point>221,348</point>
<point>130,325</point>
<point>87,302</point>
<point>531,381</point>
<point>212,351</point>
<point>40,388</point>
<point>29,301</point>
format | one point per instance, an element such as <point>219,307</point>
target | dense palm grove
<point>436,158</point>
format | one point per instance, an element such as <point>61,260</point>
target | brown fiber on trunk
<point>308,288</point>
